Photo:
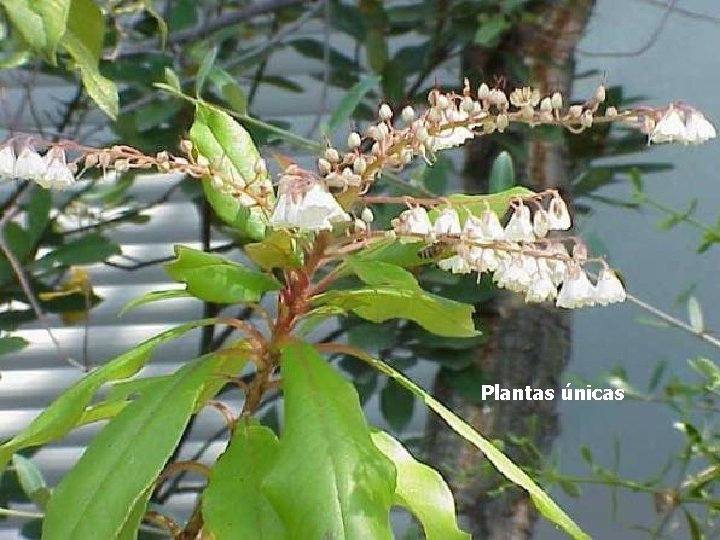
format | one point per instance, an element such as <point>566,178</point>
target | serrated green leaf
<point>96,499</point>
<point>231,152</point>
<point>65,412</point>
<point>279,250</point>
<point>503,464</point>
<point>31,480</point>
<point>83,42</point>
<point>11,344</point>
<point>88,249</point>
<point>327,456</point>
<point>235,483</point>
<point>216,279</point>
<point>349,103</point>
<point>502,173</point>
<point>154,296</point>
<point>422,491</point>
<point>434,313</point>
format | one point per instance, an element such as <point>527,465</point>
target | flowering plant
<point>314,252</point>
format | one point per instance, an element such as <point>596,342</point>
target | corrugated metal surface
<point>30,380</point>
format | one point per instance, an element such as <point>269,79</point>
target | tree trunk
<point>527,344</point>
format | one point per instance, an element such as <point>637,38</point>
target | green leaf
<point>512,472</point>
<point>421,490</point>
<point>65,412</point>
<point>154,296</point>
<point>232,154</point>
<point>349,103</point>
<point>476,204</point>
<point>490,29</point>
<point>54,14</point>
<point>11,344</point>
<point>27,21</point>
<point>396,405</point>
<point>31,480</point>
<point>329,480</point>
<point>394,252</point>
<point>88,249</point>
<point>235,483</point>
<point>96,499</point>
<point>229,89</point>
<point>216,279</point>
<point>205,66</point>
<point>434,313</point>
<point>378,273</point>
<point>130,528</point>
<point>83,42</point>
<point>279,250</point>
<point>38,213</point>
<point>502,174</point>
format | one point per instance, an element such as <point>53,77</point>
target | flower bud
<point>467,104</point>
<point>367,215</point>
<point>546,104</point>
<point>502,122</point>
<point>324,166</point>
<point>359,165</point>
<point>408,114</point>
<point>386,113</point>
<point>443,102</point>
<point>353,140</point>
<point>332,155</point>
<point>483,92</point>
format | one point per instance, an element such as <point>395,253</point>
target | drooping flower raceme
<point>683,124</point>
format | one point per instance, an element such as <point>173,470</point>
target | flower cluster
<point>519,255</point>
<point>679,123</point>
<point>49,171</point>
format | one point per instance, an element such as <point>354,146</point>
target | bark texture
<point>527,345</point>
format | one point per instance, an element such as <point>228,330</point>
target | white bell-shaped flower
<point>448,222</point>
<point>29,165</point>
<point>576,291</point>
<point>414,221</point>
<point>452,136</point>
<point>492,230</point>
<point>558,215</point>
<point>669,128</point>
<point>608,289</point>
<point>520,228</point>
<point>57,173</point>
<point>697,128</point>
<point>541,288</point>
<point>314,210</point>
<point>458,263</point>
<point>540,223</point>
<point>7,162</point>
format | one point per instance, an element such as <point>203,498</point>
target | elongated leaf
<point>154,296</point>
<point>97,498</point>
<point>233,503</point>
<point>476,204</point>
<point>695,314</point>
<point>11,344</point>
<point>434,313</point>
<point>231,152</point>
<point>54,14</point>
<point>329,480</point>
<point>27,21</point>
<point>66,411</point>
<point>512,472</point>
<point>216,279</point>
<point>421,490</point>
<point>88,249</point>
<point>83,41</point>
<point>502,174</point>
<point>205,66</point>
<point>129,529</point>
<point>349,103</point>
<point>31,480</point>
<point>378,273</point>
